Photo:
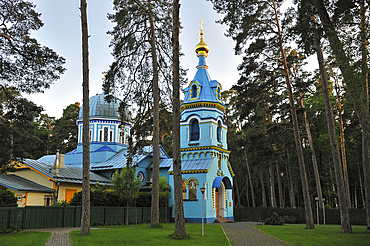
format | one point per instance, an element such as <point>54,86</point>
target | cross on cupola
<point>202,49</point>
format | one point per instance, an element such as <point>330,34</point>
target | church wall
<point>163,172</point>
<point>193,208</point>
<point>207,128</point>
<point>101,156</point>
<point>142,167</point>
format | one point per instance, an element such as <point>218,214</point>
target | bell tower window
<point>219,132</point>
<point>194,130</point>
<point>194,91</point>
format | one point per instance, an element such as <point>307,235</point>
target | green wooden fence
<point>51,217</point>
<point>332,216</point>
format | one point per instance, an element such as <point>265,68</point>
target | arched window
<point>194,130</point>
<point>219,132</point>
<point>194,91</point>
<point>183,190</point>
<point>219,93</point>
<point>192,189</point>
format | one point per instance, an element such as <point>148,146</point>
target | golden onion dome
<point>201,46</point>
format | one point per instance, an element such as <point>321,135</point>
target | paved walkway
<point>242,233</point>
<point>60,236</point>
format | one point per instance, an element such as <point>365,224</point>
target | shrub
<point>9,230</point>
<point>61,203</point>
<point>97,198</point>
<point>275,219</point>
<point>8,199</point>
<point>77,199</point>
<point>289,219</point>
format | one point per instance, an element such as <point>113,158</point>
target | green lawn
<point>144,235</point>
<point>24,238</point>
<point>322,235</point>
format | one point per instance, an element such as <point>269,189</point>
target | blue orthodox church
<point>204,153</point>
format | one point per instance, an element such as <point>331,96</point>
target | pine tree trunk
<point>365,141</point>
<point>236,192</point>
<point>277,169</point>
<point>272,187</point>
<point>177,177</point>
<point>154,215</point>
<point>360,181</point>
<point>11,145</point>
<point>313,156</point>
<point>343,145</point>
<point>250,181</point>
<point>291,189</point>
<point>297,137</point>
<point>281,197</point>
<point>264,202</point>
<point>290,181</point>
<point>85,216</point>
<point>343,202</point>
<point>246,191</point>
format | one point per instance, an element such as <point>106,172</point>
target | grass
<point>24,238</point>
<point>144,235</point>
<point>322,235</point>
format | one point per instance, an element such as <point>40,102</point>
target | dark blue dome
<point>100,108</point>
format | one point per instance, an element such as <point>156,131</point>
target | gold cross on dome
<point>201,25</point>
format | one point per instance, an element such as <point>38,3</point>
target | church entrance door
<point>221,200</point>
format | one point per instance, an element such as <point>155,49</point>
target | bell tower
<point>202,126</point>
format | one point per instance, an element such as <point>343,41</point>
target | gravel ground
<point>242,233</point>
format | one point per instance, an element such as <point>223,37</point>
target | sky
<point>62,33</point>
